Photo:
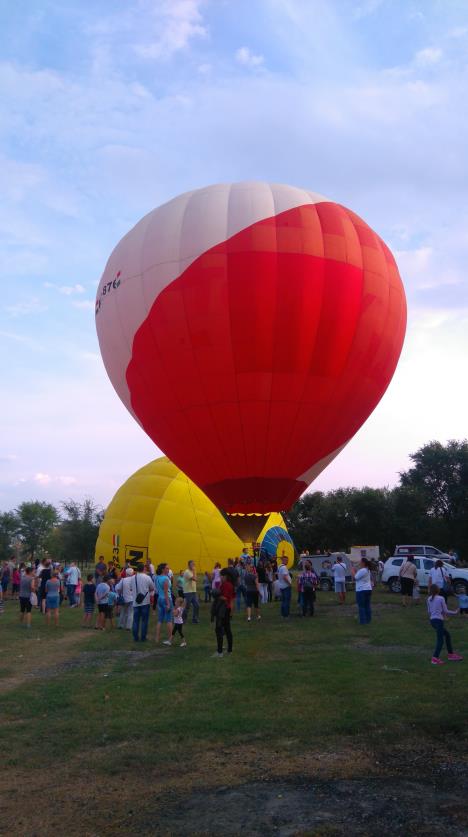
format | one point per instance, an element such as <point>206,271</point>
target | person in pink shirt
<point>438,612</point>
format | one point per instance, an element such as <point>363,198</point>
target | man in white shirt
<point>142,587</point>
<point>339,574</point>
<point>284,582</point>
<point>125,588</point>
<point>72,578</point>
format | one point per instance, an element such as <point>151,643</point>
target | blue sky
<point>108,109</point>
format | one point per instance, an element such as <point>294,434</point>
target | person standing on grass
<point>124,589</point>
<point>221,616</point>
<point>102,601</point>
<point>190,592</point>
<point>27,587</point>
<point>408,575</point>
<point>216,576</point>
<point>179,621</point>
<point>207,586</point>
<point>339,575</point>
<point>5,579</point>
<point>100,569</point>
<point>438,612</point>
<point>252,592</point>
<point>308,581</point>
<point>364,591</point>
<point>240,589</point>
<point>16,578</point>
<point>227,588</point>
<point>262,581</point>
<point>284,583</point>
<point>438,575</point>
<point>52,598</point>
<point>165,608</point>
<point>89,593</point>
<point>142,588</point>
<point>72,577</point>
<point>111,603</point>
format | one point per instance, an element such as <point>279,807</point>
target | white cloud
<point>22,339</point>
<point>367,8</point>
<point>25,308</point>
<point>176,23</point>
<point>428,56</point>
<point>46,479</point>
<point>85,304</point>
<point>67,290</point>
<point>42,479</point>
<point>247,58</point>
<point>8,457</point>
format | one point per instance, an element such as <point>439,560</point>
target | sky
<point>108,109</point>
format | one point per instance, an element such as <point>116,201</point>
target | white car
<point>391,570</point>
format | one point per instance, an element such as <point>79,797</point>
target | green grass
<point>326,678</point>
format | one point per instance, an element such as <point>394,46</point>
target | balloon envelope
<point>251,329</point>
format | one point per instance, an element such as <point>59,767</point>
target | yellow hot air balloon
<point>159,514</point>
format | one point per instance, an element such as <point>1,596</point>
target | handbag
<point>33,599</point>
<point>139,596</point>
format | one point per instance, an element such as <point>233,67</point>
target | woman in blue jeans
<point>364,591</point>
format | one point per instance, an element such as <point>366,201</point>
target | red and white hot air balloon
<point>251,328</point>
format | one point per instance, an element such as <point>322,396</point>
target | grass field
<point>316,726</point>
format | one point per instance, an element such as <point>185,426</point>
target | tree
<point>8,530</point>
<point>35,522</point>
<point>77,534</point>
<point>440,476</point>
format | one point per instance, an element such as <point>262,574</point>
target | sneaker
<point>454,658</point>
<point>217,655</point>
<point>248,619</point>
<point>258,618</point>
<point>167,642</point>
<point>183,644</point>
<point>436,661</point>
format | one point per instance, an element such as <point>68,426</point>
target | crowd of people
<point>111,596</point>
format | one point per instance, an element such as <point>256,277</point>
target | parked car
<point>390,575</point>
<point>421,549</point>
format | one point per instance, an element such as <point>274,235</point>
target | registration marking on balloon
<point>253,361</point>
<point>106,289</point>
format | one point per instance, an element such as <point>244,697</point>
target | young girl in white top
<point>438,612</point>
<point>179,621</point>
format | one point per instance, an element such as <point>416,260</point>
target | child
<point>463,604</point>
<point>437,609</point>
<point>89,590</point>
<point>111,600</point>
<point>221,616</point>
<point>179,620</point>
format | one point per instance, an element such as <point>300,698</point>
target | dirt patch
<point>296,807</point>
<point>411,789</point>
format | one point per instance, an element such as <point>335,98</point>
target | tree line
<point>430,505</point>
<point>67,533</point>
